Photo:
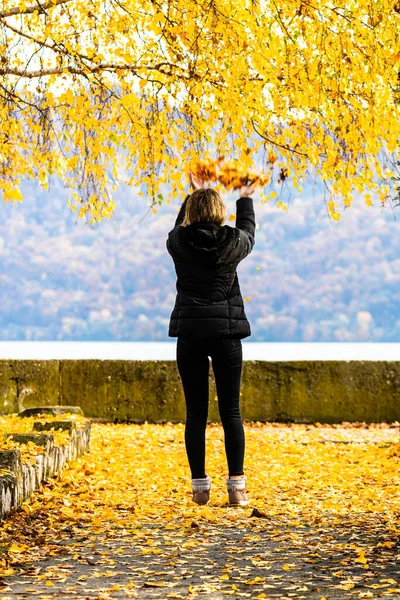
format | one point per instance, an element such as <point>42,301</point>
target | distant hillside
<point>318,280</point>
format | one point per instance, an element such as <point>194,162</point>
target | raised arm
<point>196,184</point>
<point>181,213</point>
<point>245,223</point>
<point>245,217</point>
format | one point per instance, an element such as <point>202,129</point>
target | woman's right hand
<point>196,182</point>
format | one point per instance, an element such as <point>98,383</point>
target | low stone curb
<point>18,480</point>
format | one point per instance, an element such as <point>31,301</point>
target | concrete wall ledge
<point>138,391</point>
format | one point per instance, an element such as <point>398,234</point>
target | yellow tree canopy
<point>102,91</point>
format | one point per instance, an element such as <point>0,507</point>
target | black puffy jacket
<point>209,304</point>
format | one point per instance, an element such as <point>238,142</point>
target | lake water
<point>166,351</point>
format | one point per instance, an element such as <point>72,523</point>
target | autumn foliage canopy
<point>98,92</point>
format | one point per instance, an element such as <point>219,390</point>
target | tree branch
<point>88,70</point>
<point>31,37</point>
<point>57,48</point>
<point>30,9</point>
<point>276,143</point>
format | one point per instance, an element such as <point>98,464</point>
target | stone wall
<point>299,391</point>
<point>19,479</point>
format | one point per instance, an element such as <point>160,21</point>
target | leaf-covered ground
<point>324,521</point>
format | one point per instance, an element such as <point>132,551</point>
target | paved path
<point>242,560</point>
<point>73,541</point>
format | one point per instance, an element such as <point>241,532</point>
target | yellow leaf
<point>16,549</point>
<point>346,586</point>
<point>255,580</point>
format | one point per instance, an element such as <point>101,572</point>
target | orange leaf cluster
<point>231,174</point>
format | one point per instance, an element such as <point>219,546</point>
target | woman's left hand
<point>245,191</point>
<point>196,182</point>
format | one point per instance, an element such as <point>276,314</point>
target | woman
<point>209,320</point>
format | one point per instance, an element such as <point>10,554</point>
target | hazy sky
<point>308,278</point>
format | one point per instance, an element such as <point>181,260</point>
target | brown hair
<point>204,206</point>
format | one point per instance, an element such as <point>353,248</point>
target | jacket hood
<point>207,242</point>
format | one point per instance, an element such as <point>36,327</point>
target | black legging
<point>193,365</point>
